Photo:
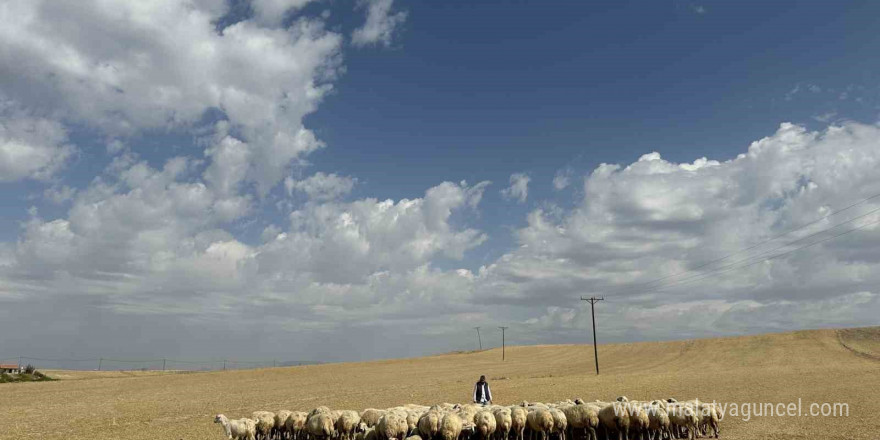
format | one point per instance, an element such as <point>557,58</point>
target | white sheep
<point>658,419</point>
<point>429,424</point>
<point>583,416</point>
<point>392,426</point>
<point>320,426</point>
<point>370,417</point>
<point>484,424</point>
<point>503,422</point>
<point>241,429</point>
<point>709,417</point>
<point>280,428</point>
<point>540,421</point>
<point>615,419</point>
<point>265,421</point>
<point>412,421</point>
<point>347,424</point>
<point>638,419</point>
<point>518,421</point>
<point>560,423</point>
<point>450,426</point>
<point>683,416</point>
<point>296,423</point>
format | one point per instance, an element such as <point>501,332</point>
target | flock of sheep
<point>625,419</point>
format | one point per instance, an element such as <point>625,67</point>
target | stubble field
<point>815,366</point>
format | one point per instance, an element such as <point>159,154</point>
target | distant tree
<point>29,369</point>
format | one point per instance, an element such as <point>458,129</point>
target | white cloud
<point>127,67</point>
<point>30,147</point>
<point>654,219</point>
<point>562,179</point>
<point>380,24</point>
<point>518,189</point>
<point>321,186</point>
<point>59,194</point>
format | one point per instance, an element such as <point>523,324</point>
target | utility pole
<point>593,300</point>
<point>502,341</point>
<point>479,339</point>
<point>163,364</point>
<point>224,364</point>
<point>100,361</point>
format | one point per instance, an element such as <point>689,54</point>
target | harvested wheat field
<point>833,366</point>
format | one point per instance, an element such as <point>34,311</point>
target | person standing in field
<point>482,393</point>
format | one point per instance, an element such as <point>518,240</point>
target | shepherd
<point>482,393</point>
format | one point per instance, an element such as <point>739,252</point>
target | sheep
<point>638,419</point>
<point>320,425</point>
<point>347,424</point>
<point>450,426</point>
<point>658,419</point>
<point>280,428</point>
<point>368,434</point>
<point>412,421</point>
<point>467,412</point>
<point>582,416</point>
<point>518,421</point>
<point>429,424</point>
<point>265,423</point>
<point>540,421</point>
<point>295,424</point>
<point>708,414</point>
<point>615,418</point>
<point>503,422</point>
<point>241,429</point>
<point>560,423</point>
<point>682,415</point>
<point>484,423</point>
<point>319,410</point>
<point>392,426</point>
<point>414,437</point>
<point>622,399</point>
<point>370,416</point>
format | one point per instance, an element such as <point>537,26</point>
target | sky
<point>349,180</point>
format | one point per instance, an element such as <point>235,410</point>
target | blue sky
<point>474,91</point>
<point>276,140</point>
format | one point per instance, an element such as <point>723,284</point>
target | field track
<point>834,366</point>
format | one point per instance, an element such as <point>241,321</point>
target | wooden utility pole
<point>100,361</point>
<point>163,364</point>
<point>479,339</point>
<point>593,300</point>
<point>502,341</point>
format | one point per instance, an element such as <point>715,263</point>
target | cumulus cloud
<point>380,24</point>
<point>659,220</point>
<point>153,249</point>
<point>321,186</point>
<point>31,147</point>
<point>518,189</point>
<point>146,241</point>
<point>125,67</point>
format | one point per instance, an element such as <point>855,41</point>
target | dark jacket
<point>482,391</point>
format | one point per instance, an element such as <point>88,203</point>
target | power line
<point>718,260</point>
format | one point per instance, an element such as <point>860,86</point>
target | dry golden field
<point>813,366</point>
